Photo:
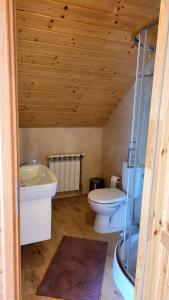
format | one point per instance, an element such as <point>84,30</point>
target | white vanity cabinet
<point>35,221</point>
<point>38,185</point>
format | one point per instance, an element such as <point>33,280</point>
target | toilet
<point>109,204</point>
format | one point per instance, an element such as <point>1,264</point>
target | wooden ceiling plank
<point>76,70</point>
<point>68,101</point>
<point>71,40</point>
<point>134,9</point>
<point>70,93</point>
<point>74,52</point>
<point>48,78</point>
<point>32,20</point>
<point>71,108</point>
<point>32,122</point>
<point>41,89</point>
<point>52,77</point>
<point>63,122</point>
<point>93,100</point>
<point>80,14</point>
<point>82,106</point>
<point>99,124</point>
<point>110,5</point>
<point>64,115</point>
<point>100,5</point>
<point>34,86</point>
<point>76,59</point>
<point>67,11</point>
<point>66,63</point>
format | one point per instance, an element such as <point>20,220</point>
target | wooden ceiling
<point>76,59</point>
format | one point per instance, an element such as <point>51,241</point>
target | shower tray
<point>125,279</point>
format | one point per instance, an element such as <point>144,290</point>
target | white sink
<point>36,182</point>
<point>37,186</point>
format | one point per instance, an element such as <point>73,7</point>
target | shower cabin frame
<point>152,275</point>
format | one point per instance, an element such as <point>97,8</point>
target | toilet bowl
<point>109,204</point>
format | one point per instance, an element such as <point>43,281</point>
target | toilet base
<point>103,224</point>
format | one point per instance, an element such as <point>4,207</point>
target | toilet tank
<point>139,178</point>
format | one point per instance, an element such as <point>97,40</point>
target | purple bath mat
<point>76,270</point>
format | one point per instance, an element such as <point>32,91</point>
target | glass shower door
<point>137,150</point>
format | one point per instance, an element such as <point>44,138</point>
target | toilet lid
<point>107,196</point>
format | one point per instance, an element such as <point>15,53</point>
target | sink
<point>36,182</point>
<point>37,187</point>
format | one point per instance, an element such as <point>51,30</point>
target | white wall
<point>38,143</point>
<point>116,137</point>
<point>117,131</point>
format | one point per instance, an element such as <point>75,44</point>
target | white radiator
<point>67,169</point>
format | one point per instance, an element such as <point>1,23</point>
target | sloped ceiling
<point>76,59</point>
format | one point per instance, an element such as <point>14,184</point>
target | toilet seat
<point>107,196</point>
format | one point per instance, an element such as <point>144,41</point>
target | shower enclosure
<point>125,258</point>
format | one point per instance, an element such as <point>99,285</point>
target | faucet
<point>23,164</point>
<point>30,162</point>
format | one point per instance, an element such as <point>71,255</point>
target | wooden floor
<point>73,217</point>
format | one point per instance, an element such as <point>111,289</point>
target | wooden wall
<point>76,59</point>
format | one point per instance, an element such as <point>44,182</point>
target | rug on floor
<point>76,270</point>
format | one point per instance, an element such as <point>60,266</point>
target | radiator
<point>67,169</point>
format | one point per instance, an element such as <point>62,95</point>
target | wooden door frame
<point>151,274</point>
<point>156,153</point>
<point>9,210</point>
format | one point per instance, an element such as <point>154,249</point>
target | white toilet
<point>109,204</point>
